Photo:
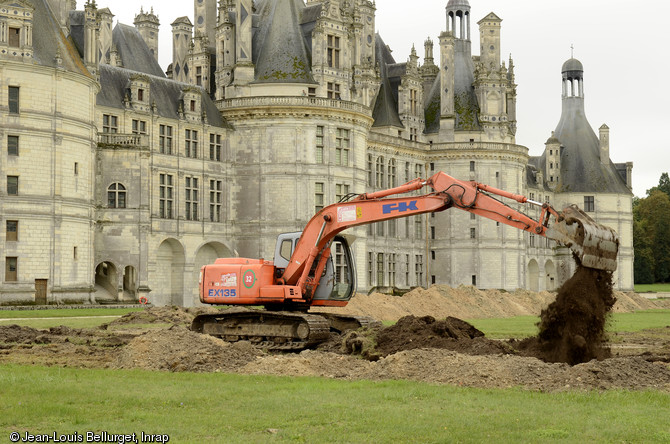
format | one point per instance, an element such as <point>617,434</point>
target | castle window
<point>413,134</point>
<point>12,231</point>
<point>333,52</point>
<point>140,95</point>
<point>392,173</point>
<point>370,171</point>
<point>193,105</point>
<point>380,269</point>
<point>166,199</point>
<point>116,196</point>
<point>12,185</point>
<point>379,176</point>
<point>192,199</point>
<point>139,127</point>
<point>14,37</point>
<point>191,145</point>
<point>589,204</point>
<point>319,144</point>
<point>14,99</point>
<point>418,269</point>
<point>334,91</point>
<point>311,92</point>
<point>11,266</point>
<point>215,191</point>
<point>473,233</point>
<point>342,143</point>
<point>165,139</point>
<point>341,191</point>
<point>110,124</point>
<point>215,147</point>
<point>198,76</point>
<point>413,101</point>
<point>13,145</point>
<point>319,197</point>
<point>472,165</point>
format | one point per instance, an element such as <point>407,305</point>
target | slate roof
<point>49,40</point>
<point>134,52</point>
<point>581,168</point>
<point>164,92</point>
<point>385,108</point>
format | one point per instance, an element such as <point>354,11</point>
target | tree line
<point>651,234</point>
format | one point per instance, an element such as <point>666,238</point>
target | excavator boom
<point>303,275</point>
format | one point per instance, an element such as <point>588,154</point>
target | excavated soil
<point>424,345</point>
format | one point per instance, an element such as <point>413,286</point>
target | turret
<point>458,19</point>
<point>147,24</point>
<point>205,16</point>
<point>91,37</point>
<point>182,30</point>
<point>489,36</point>
<point>106,18</point>
<point>604,144</point>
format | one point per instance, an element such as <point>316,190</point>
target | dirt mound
<point>466,302</point>
<point>155,315</point>
<point>572,328</point>
<point>179,349</point>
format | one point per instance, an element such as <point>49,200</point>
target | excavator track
<point>274,330</point>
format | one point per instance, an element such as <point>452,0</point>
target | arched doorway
<point>533,275</point>
<point>167,282</point>
<point>550,274</point>
<point>130,283</point>
<point>206,254</point>
<point>106,282</point>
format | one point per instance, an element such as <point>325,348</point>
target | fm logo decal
<point>400,207</point>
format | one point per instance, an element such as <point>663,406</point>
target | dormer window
<point>139,92</point>
<point>14,37</point>
<point>192,104</point>
<point>16,29</point>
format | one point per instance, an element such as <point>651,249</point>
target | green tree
<point>651,234</point>
<point>663,185</point>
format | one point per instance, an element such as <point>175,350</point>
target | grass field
<point>203,408</point>
<point>653,288</point>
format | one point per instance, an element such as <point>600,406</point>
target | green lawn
<point>654,288</point>
<point>201,408</point>
<point>524,326</point>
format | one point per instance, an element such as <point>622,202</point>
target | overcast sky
<point>625,64</point>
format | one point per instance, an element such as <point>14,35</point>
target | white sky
<point>625,64</point>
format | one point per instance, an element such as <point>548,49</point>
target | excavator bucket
<point>595,245</point>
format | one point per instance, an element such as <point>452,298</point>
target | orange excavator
<point>304,275</point>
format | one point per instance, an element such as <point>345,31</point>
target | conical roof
<point>581,169</point>
<point>280,51</point>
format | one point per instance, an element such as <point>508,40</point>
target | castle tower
<point>244,67</point>
<point>182,30</point>
<point>147,24</point>
<point>489,36</point>
<point>429,71</point>
<point>464,108</point>
<point>225,50</point>
<point>90,37</point>
<point>205,16</point>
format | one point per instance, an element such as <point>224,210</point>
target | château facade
<point>120,180</point>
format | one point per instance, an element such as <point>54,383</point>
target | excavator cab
<point>338,280</point>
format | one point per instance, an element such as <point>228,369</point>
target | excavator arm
<point>596,246</point>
